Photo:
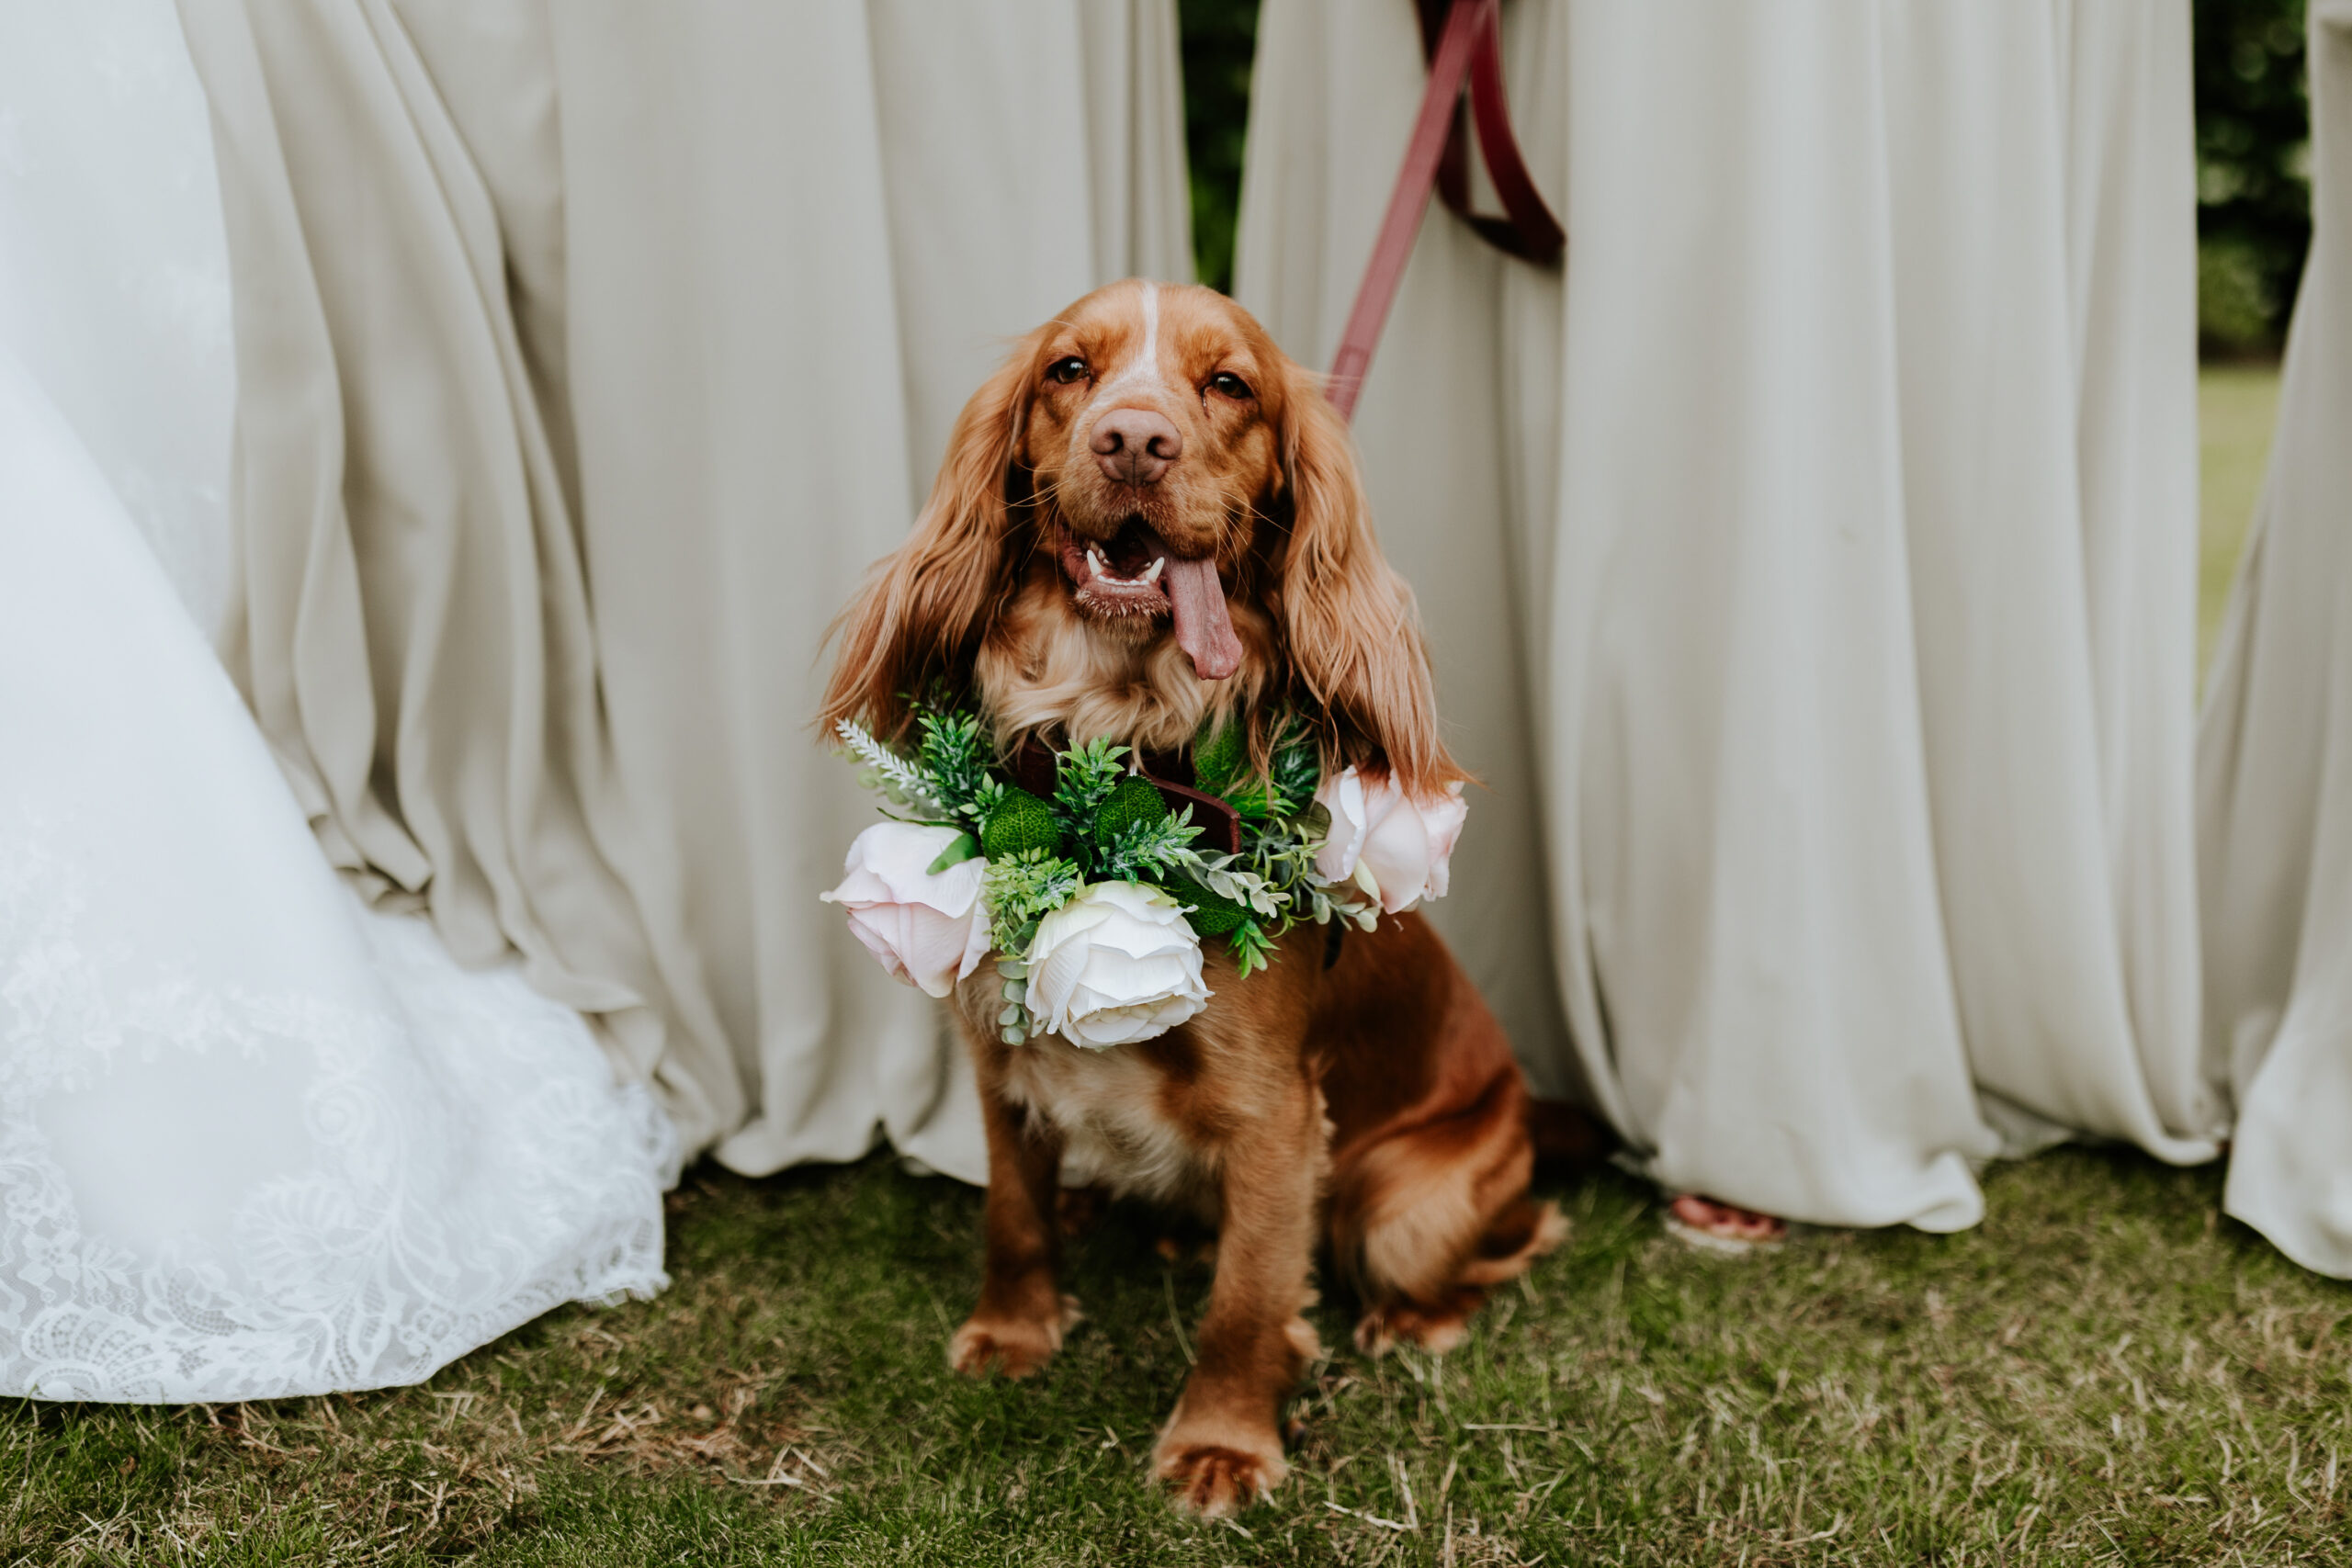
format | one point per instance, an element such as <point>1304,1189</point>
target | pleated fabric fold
<point>2274,755</point>
<point>1800,580</point>
<point>587,356</point>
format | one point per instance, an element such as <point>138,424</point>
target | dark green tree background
<point>1218,39</point>
<point>2253,190</point>
<point>2253,184</point>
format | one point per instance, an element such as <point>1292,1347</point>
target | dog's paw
<point>1215,1466</point>
<point>1436,1329</point>
<point>1216,1482</point>
<point>1009,1345</point>
<point>1013,1345</point>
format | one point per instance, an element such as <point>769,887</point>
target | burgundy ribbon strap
<point>1468,45</point>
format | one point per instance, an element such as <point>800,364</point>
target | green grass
<point>2105,1372</point>
<point>2237,405</point>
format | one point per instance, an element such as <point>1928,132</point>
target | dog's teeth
<point>1094,564</point>
<point>1151,574</point>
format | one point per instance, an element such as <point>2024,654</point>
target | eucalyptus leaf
<point>962,847</point>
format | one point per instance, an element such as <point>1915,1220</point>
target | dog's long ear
<point>1353,631</point>
<point>923,609</point>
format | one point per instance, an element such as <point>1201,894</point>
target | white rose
<point>1117,963</point>
<point>1397,848</point>
<point>929,929</point>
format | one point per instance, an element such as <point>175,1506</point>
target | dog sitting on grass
<point>1150,520</point>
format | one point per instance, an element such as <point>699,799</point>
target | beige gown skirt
<point>2274,755</point>
<point>1810,568</point>
<point>588,353</point>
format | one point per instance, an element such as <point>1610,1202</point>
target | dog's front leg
<point>1222,1447</point>
<point>1022,1315</point>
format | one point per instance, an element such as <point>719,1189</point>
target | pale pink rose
<point>929,929</point>
<point>1397,848</point>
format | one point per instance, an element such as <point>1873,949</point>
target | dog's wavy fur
<point>1375,1102</point>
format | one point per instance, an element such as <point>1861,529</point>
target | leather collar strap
<point>1033,769</point>
<point>1468,44</point>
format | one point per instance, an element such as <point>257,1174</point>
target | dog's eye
<point>1068,370</point>
<point>1227,382</point>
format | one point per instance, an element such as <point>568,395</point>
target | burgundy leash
<point>1464,39</point>
<point>1527,229</point>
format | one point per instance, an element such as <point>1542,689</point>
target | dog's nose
<point>1136,445</point>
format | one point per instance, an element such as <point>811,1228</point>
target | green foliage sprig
<point>1083,780</point>
<point>1023,889</point>
<point>1147,851</point>
<point>1286,789</point>
<point>956,752</point>
<point>1272,873</point>
<point>896,777</point>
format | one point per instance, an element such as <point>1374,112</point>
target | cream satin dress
<point>2274,755</point>
<point>1810,573</point>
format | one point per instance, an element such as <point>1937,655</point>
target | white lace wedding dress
<point>255,1140</point>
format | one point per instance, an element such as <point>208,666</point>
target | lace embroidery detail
<point>463,1163</point>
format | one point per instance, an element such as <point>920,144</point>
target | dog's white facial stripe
<point>1144,368</point>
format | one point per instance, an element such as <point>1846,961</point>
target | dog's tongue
<point>1202,629</point>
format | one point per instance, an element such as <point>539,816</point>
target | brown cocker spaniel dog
<point>1149,516</point>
